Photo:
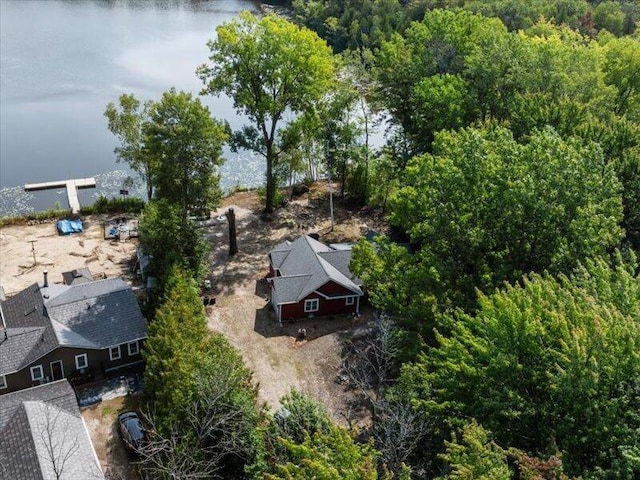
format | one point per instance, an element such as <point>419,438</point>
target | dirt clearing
<point>279,360</point>
<point>58,253</point>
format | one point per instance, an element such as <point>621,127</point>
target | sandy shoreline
<point>57,254</point>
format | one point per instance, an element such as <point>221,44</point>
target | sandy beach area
<point>20,244</point>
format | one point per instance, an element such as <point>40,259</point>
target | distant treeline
<point>366,23</point>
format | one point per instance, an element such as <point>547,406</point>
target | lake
<point>62,61</point>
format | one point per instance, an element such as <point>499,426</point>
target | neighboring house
<point>77,276</point>
<point>311,279</point>
<point>44,436</point>
<point>81,332</point>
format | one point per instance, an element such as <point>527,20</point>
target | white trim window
<point>114,353</point>
<point>3,382</point>
<point>312,305</point>
<point>37,373</point>
<point>349,301</point>
<point>133,348</point>
<point>82,361</point>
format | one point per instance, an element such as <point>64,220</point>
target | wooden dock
<point>72,187</point>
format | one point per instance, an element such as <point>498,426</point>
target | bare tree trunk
<point>233,240</point>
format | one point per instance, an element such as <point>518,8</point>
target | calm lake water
<point>62,61</point>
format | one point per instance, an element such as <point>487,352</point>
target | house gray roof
<point>20,342</point>
<point>306,265</point>
<point>92,315</point>
<point>96,314</point>
<point>28,418</point>
<point>79,275</point>
<point>29,332</point>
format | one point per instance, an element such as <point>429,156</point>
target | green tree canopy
<point>270,67</point>
<point>169,240</point>
<point>327,456</point>
<point>474,456</point>
<point>201,395</point>
<point>126,121</point>
<point>549,365</point>
<point>173,144</point>
<point>439,45</point>
<point>187,144</point>
<point>485,209</point>
<point>622,70</point>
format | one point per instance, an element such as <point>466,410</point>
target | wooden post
<point>233,241</point>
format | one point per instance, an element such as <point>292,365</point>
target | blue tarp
<point>65,227</point>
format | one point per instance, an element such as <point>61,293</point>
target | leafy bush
<point>279,196</point>
<point>114,205</point>
<point>36,216</point>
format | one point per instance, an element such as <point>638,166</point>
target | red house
<point>310,279</point>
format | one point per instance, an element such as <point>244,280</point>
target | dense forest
<point>508,338</point>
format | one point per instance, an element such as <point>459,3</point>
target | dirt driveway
<point>101,423</point>
<point>279,360</point>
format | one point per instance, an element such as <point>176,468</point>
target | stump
<point>233,241</point>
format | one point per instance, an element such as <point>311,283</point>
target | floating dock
<point>72,187</point>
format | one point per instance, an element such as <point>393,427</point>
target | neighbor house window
<point>133,347</point>
<point>3,382</point>
<point>114,352</point>
<point>37,373</point>
<point>81,361</point>
<point>311,305</point>
<point>350,300</point>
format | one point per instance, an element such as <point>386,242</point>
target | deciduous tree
<point>271,68</point>
<point>485,209</point>
<point>549,365</point>
<point>127,121</point>
<point>187,144</point>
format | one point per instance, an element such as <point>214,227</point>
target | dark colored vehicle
<point>131,430</point>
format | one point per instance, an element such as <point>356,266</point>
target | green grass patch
<point>37,216</point>
<point>108,410</point>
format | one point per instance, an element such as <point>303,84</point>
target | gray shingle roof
<point>77,276</point>
<point>306,265</point>
<point>340,259</point>
<point>288,289</point>
<point>19,343</point>
<point>92,315</point>
<point>99,314</point>
<point>27,417</point>
<point>29,332</point>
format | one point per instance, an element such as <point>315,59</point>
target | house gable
<point>43,418</point>
<point>53,324</point>
<point>307,269</point>
<point>332,289</point>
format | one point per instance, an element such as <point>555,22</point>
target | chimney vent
<point>46,280</point>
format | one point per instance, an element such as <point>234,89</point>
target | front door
<point>57,371</point>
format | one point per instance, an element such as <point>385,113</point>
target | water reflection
<point>62,61</point>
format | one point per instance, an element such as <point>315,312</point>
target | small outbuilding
<point>77,276</point>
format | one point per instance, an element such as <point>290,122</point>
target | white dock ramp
<point>72,187</point>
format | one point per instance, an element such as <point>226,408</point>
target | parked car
<point>131,430</point>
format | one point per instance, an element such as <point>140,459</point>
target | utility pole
<point>329,179</point>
